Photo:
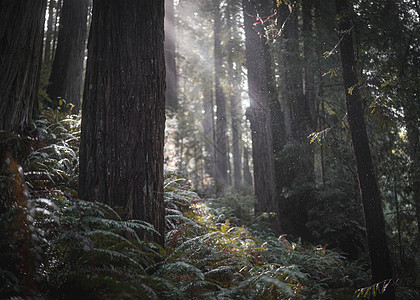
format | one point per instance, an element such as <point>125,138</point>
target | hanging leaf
<point>350,91</point>
<point>386,83</point>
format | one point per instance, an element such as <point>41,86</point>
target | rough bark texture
<point>121,154</point>
<point>170,54</point>
<point>67,69</point>
<point>21,33</point>
<point>259,112</point>
<point>295,161</point>
<point>371,199</point>
<point>235,101</point>
<point>221,164</point>
<point>49,34</point>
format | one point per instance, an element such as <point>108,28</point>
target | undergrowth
<point>55,246</point>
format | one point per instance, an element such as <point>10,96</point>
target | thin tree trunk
<point>235,109</point>
<point>67,70</point>
<point>49,34</point>
<point>21,34</point>
<point>56,25</point>
<point>247,171</point>
<point>170,54</point>
<point>221,123</point>
<point>208,127</point>
<point>236,152</point>
<point>413,135</point>
<point>309,63</point>
<point>371,198</point>
<point>121,153</point>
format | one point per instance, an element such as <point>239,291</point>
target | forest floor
<point>60,247</point>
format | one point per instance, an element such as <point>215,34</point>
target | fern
<point>215,248</point>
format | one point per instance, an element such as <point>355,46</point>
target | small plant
<point>57,245</point>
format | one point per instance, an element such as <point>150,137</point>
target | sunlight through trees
<point>215,149</point>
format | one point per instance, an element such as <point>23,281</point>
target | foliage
<point>43,98</point>
<point>84,249</point>
<point>71,247</point>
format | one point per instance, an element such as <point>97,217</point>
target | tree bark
<point>49,34</point>
<point>308,51</point>
<point>236,152</point>
<point>295,161</point>
<point>121,153</point>
<point>221,164</point>
<point>235,108</point>
<point>413,137</point>
<point>259,112</point>
<point>21,34</point>
<point>371,198</point>
<point>170,54</point>
<point>56,24</point>
<point>67,69</point>
<point>247,171</point>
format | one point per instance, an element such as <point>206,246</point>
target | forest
<point>213,149</point>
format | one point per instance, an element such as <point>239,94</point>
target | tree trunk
<point>371,199</point>
<point>295,162</point>
<point>208,126</point>
<point>259,112</point>
<point>67,70</point>
<point>236,152</point>
<point>49,34</point>
<point>247,171</point>
<point>121,153</point>
<point>221,123</point>
<point>235,108</point>
<point>413,137</point>
<point>56,24</point>
<point>308,50</point>
<point>21,34</point>
<point>170,54</point>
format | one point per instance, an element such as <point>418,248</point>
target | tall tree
<point>221,164</point>
<point>400,41</point>
<point>308,50</point>
<point>208,125</point>
<point>246,168</point>
<point>49,32</point>
<point>258,111</point>
<point>67,69</point>
<point>21,33</point>
<point>294,153</point>
<point>234,73</point>
<point>121,153</point>
<point>371,198</point>
<point>170,54</point>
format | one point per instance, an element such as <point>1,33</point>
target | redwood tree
<point>21,32</point>
<point>234,73</point>
<point>121,153</point>
<point>294,164</point>
<point>221,163</point>
<point>371,198</point>
<point>259,112</point>
<point>67,69</point>
<point>170,48</point>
